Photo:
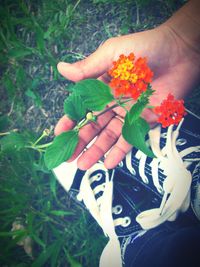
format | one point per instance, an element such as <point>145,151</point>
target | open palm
<point>172,63</point>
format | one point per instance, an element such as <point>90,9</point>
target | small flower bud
<point>89,116</point>
<point>46,132</point>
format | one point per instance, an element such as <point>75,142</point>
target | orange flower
<point>170,111</point>
<point>130,77</point>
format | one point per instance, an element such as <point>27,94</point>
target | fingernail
<point>62,65</point>
<point>70,71</point>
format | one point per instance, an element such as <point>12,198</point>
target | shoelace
<point>175,189</point>
<point>100,208</point>
<point>176,186</point>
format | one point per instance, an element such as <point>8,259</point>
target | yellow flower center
<point>133,78</point>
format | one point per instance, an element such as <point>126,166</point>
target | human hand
<point>172,63</point>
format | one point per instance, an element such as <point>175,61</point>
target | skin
<point>173,54</point>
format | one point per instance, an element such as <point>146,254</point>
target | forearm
<point>186,24</point>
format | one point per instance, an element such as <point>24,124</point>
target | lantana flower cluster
<point>130,77</point>
<point>171,111</point>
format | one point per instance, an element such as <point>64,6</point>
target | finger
<point>90,131</point>
<point>92,67</point>
<point>103,143</point>
<point>105,78</point>
<point>64,124</point>
<point>117,153</point>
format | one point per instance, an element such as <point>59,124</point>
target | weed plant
<point>34,35</point>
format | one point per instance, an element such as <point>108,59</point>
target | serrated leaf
<point>95,93</point>
<point>61,149</point>
<point>135,134</point>
<point>13,141</point>
<point>135,111</point>
<point>139,106</point>
<point>74,107</point>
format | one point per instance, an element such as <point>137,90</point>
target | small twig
<point>11,108</point>
<point>51,73</point>
<point>81,56</point>
<point>190,112</point>
<point>137,14</point>
<point>6,133</point>
<point>77,3</point>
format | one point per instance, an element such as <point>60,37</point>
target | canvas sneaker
<point>142,197</point>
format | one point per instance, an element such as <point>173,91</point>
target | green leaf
<point>45,255</point>
<point>61,149</point>
<point>4,122</point>
<point>74,107</point>
<point>9,85</point>
<point>39,34</point>
<point>14,233</point>
<point>57,251</point>
<point>135,134</point>
<point>61,212</point>
<point>135,111</point>
<point>35,96</point>
<point>38,240</point>
<point>70,88</point>
<point>13,141</point>
<point>96,94</point>
<point>72,261</point>
<point>53,185</point>
<point>21,77</point>
<point>142,102</point>
<point>18,53</point>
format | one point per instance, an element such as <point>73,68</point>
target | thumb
<point>93,66</point>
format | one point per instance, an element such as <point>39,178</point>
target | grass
<point>34,36</point>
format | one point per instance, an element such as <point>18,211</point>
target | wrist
<point>185,25</point>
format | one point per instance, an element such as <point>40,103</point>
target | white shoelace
<point>100,208</point>
<point>176,186</point>
<point>176,190</point>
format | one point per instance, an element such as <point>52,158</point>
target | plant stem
<point>86,120</point>
<point>7,133</point>
<point>119,103</point>
<point>150,107</point>
<point>38,140</point>
<point>45,133</point>
<point>81,124</point>
<point>44,145</point>
<point>39,147</point>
